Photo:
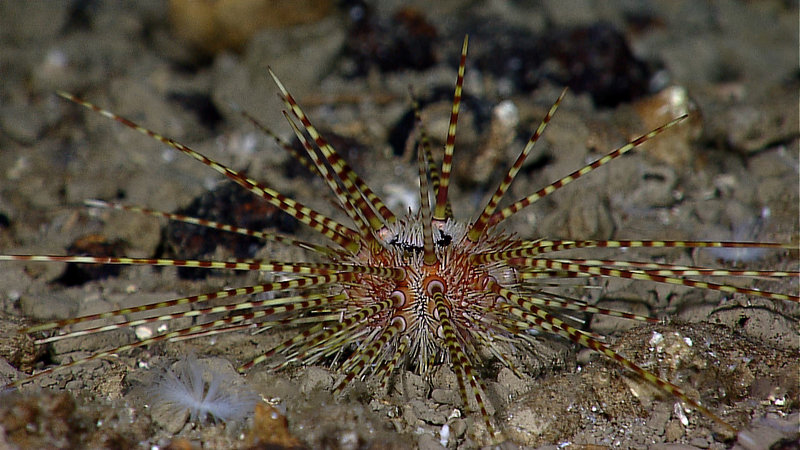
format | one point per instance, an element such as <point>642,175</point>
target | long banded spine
<point>351,206</point>
<point>462,366</point>
<point>267,236</point>
<point>545,300</point>
<point>675,270</point>
<point>297,156</point>
<point>298,283</point>
<point>425,147</point>
<point>318,335</point>
<point>328,227</point>
<point>364,358</point>
<point>553,324</point>
<point>271,307</point>
<point>533,248</point>
<point>648,276</point>
<point>355,186</point>
<point>189,331</point>
<point>480,224</point>
<point>440,210</point>
<point>236,264</point>
<point>508,211</point>
<point>429,254</point>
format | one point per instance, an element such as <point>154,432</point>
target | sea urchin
<point>411,291</point>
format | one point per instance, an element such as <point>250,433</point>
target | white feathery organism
<point>744,231</point>
<point>217,396</point>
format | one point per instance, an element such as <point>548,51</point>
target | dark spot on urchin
<point>228,204</point>
<point>441,240</point>
<point>405,246</point>
<point>444,240</point>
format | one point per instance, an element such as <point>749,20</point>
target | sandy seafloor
<point>736,178</point>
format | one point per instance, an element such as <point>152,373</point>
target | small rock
<point>671,447</point>
<point>700,442</point>
<point>675,146</point>
<point>458,427</point>
<point>215,26</point>
<point>316,378</point>
<point>409,416</point>
<point>270,428</point>
<point>47,307</point>
<point>673,431</point>
<point>427,414</point>
<point>445,397</point>
<point>165,416</point>
<point>428,442</point>
<point>21,123</point>
<point>412,386</point>
<point>511,382</point>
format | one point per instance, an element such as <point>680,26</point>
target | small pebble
<point>21,123</point>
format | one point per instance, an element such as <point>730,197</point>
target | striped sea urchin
<point>411,291</point>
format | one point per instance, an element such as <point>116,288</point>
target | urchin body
<point>413,310</point>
